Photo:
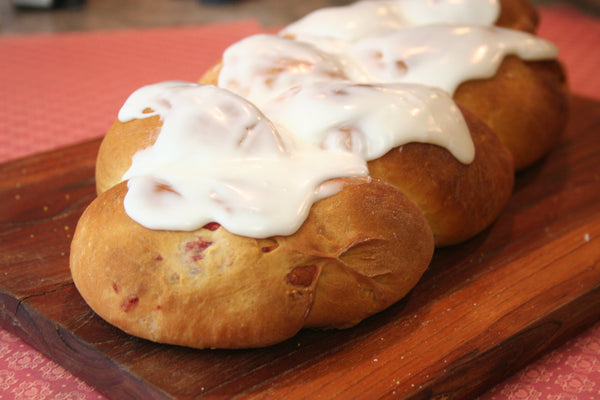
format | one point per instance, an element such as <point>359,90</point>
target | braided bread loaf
<point>306,180</point>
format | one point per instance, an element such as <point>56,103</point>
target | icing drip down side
<point>443,56</point>
<point>315,102</point>
<point>369,120</point>
<point>375,17</point>
<point>218,158</point>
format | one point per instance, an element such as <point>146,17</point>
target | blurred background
<point>36,16</point>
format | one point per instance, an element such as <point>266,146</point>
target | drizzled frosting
<point>443,56</point>
<point>276,64</point>
<point>370,18</point>
<point>436,55</point>
<point>291,114</point>
<point>369,120</point>
<point>217,158</point>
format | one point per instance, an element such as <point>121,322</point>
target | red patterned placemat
<point>25,373</point>
<point>571,372</point>
<point>578,38</point>
<point>58,89</point>
<point>62,88</point>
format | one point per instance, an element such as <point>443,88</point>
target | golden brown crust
<point>518,14</point>
<point>119,145</point>
<point>358,252</point>
<point>525,103</point>
<point>459,200</point>
<point>211,77</point>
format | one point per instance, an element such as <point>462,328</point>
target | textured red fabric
<point>577,36</point>
<point>570,373</point>
<point>62,88</point>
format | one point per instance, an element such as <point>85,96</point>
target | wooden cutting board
<point>483,310</point>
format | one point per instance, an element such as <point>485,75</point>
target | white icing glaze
<point>262,65</point>
<point>442,55</point>
<point>357,82</point>
<point>424,12</point>
<point>369,18</point>
<point>218,159</point>
<point>370,120</point>
<point>346,23</point>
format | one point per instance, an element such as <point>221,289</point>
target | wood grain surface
<point>483,310</point>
